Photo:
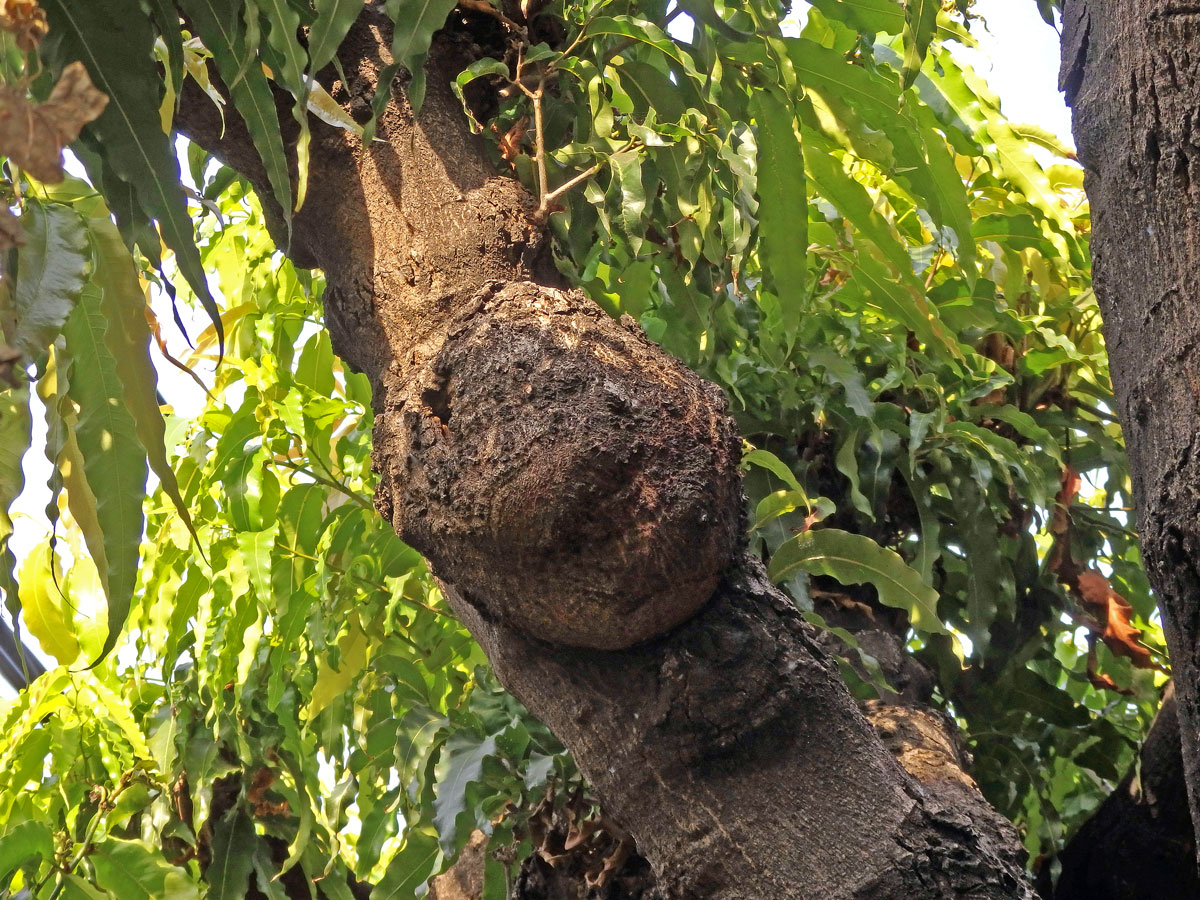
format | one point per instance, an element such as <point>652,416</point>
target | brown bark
<point>1131,70</point>
<point>577,494</point>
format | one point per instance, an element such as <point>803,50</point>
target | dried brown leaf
<point>26,21</point>
<point>34,134</point>
<point>1115,614</point>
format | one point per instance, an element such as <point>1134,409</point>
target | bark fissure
<point>576,491</point>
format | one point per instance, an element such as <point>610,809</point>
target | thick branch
<point>571,484</point>
<point>734,751</point>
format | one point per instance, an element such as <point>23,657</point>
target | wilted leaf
<point>135,151</point>
<point>15,434</point>
<point>25,21</point>
<point>53,266</point>
<point>1114,614</point>
<point>33,134</point>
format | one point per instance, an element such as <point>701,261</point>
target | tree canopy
<point>259,688</point>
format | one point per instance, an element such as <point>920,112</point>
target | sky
<point>1018,56</point>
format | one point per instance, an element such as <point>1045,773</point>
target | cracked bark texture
<point>577,494</point>
<point>1131,71</point>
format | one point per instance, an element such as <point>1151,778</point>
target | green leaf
<point>130,870</point>
<point>460,766</point>
<point>16,431</point>
<point>415,22</point>
<point>52,268</point>
<point>334,18</point>
<point>114,460</point>
<point>115,41</point>
<point>123,303</point>
<point>21,842</point>
<point>62,451</point>
<point>782,205</point>
<point>781,503</point>
<point>219,24</point>
<point>233,845</point>
<point>767,460</point>
<point>920,19</point>
<point>256,554</point>
<point>333,681</point>
<point>644,32</point>
<point>75,888</point>
<point>627,177</point>
<point>855,559</point>
<point>166,20</point>
<point>853,202</point>
<point>866,15</point>
<point>47,612</point>
<point>315,368</point>
<point>479,69</point>
<point>284,24</point>
<point>410,868</point>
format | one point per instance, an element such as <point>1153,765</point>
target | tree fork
<point>576,490</point>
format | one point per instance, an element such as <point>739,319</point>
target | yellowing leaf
<point>331,682</point>
<point>47,612</point>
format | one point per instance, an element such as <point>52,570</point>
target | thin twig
<point>553,195</point>
<point>488,10</point>
<point>328,482</point>
<point>540,148</point>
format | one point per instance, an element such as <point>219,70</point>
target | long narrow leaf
<point>123,303</point>
<point>115,41</point>
<point>920,19</point>
<point>16,428</point>
<point>219,24</point>
<point>782,205</point>
<point>855,559</point>
<point>114,460</point>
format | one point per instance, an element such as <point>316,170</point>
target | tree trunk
<point>1130,71</point>
<point>576,491</point>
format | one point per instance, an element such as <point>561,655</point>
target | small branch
<point>540,148</point>
<point>481,6</point>
<point>548,197</point>
<point>328,482</point>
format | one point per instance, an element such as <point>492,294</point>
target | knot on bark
<point>573,479</point>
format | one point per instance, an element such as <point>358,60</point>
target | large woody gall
<point>562,472</point>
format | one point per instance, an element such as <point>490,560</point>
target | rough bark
<point>576,491</point>
<point>1130,70</point>
<point>1139,845</point>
